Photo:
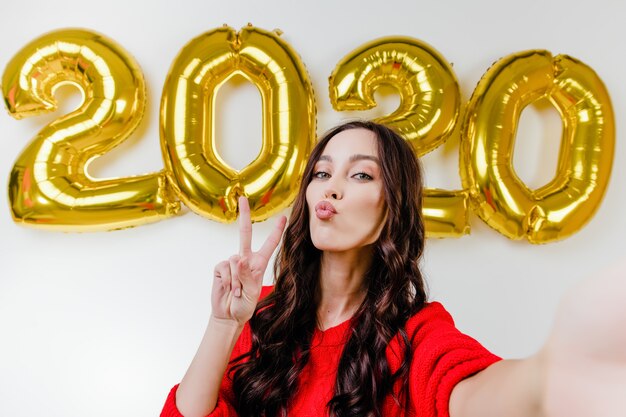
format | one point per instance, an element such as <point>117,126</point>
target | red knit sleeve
<point>222,409</point>
<point>442,357</point>
<point>226,397</point>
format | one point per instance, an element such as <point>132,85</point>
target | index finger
<point>273,239</point>
<point>245,227</point>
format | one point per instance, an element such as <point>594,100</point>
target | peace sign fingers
<point>238,280</point>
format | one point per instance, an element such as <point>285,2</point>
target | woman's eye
<point>362,176</point>
<point>321,175</point>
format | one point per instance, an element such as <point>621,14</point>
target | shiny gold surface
<point>204,182</point>
<point>569,200</point>
<point>430,101</point>
<point>49,185</point>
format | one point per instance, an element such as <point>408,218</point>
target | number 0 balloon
<point>203,180</point>
<point>566,203</point>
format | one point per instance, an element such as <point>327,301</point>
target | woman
<point>347,331</point>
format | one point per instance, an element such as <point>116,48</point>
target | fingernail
<point>237,292</point>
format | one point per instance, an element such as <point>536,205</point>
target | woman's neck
<point>342,288</point>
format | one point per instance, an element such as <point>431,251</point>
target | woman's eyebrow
<point>359,157</point>
<point>353,158</point>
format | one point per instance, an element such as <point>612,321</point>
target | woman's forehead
<point>351,142</point>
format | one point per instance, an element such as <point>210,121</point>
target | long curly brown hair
<point>283,324</point>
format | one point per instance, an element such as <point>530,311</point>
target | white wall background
<point>102,324</point>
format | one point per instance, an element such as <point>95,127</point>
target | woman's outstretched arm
<point>510,388</point>
<point>198,391</point>
<point>580,372</point>
<point>234,296</point>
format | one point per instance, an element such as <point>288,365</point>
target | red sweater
<point>442,356</point>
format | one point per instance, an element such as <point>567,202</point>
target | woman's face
<point>345,196</point>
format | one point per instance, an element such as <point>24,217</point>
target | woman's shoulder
<point>431,311</point>
<point>432,328</point>
<point>432,319</point>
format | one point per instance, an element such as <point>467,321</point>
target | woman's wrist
<point>225,324</point>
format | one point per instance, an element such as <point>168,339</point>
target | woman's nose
<point>332,192</point>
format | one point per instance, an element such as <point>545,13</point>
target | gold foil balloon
<point>204,182</point>
<point>569,200</point>
<point>49,185</point>
<point>429,92</point>
<point>430,102</point>
<point>446,213</point>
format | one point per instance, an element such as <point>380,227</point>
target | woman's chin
<point>332,245</point>
<point>326,246</point>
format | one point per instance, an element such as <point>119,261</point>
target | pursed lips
<point>324,210</point>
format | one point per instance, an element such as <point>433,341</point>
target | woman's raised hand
<point>238,280</point>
